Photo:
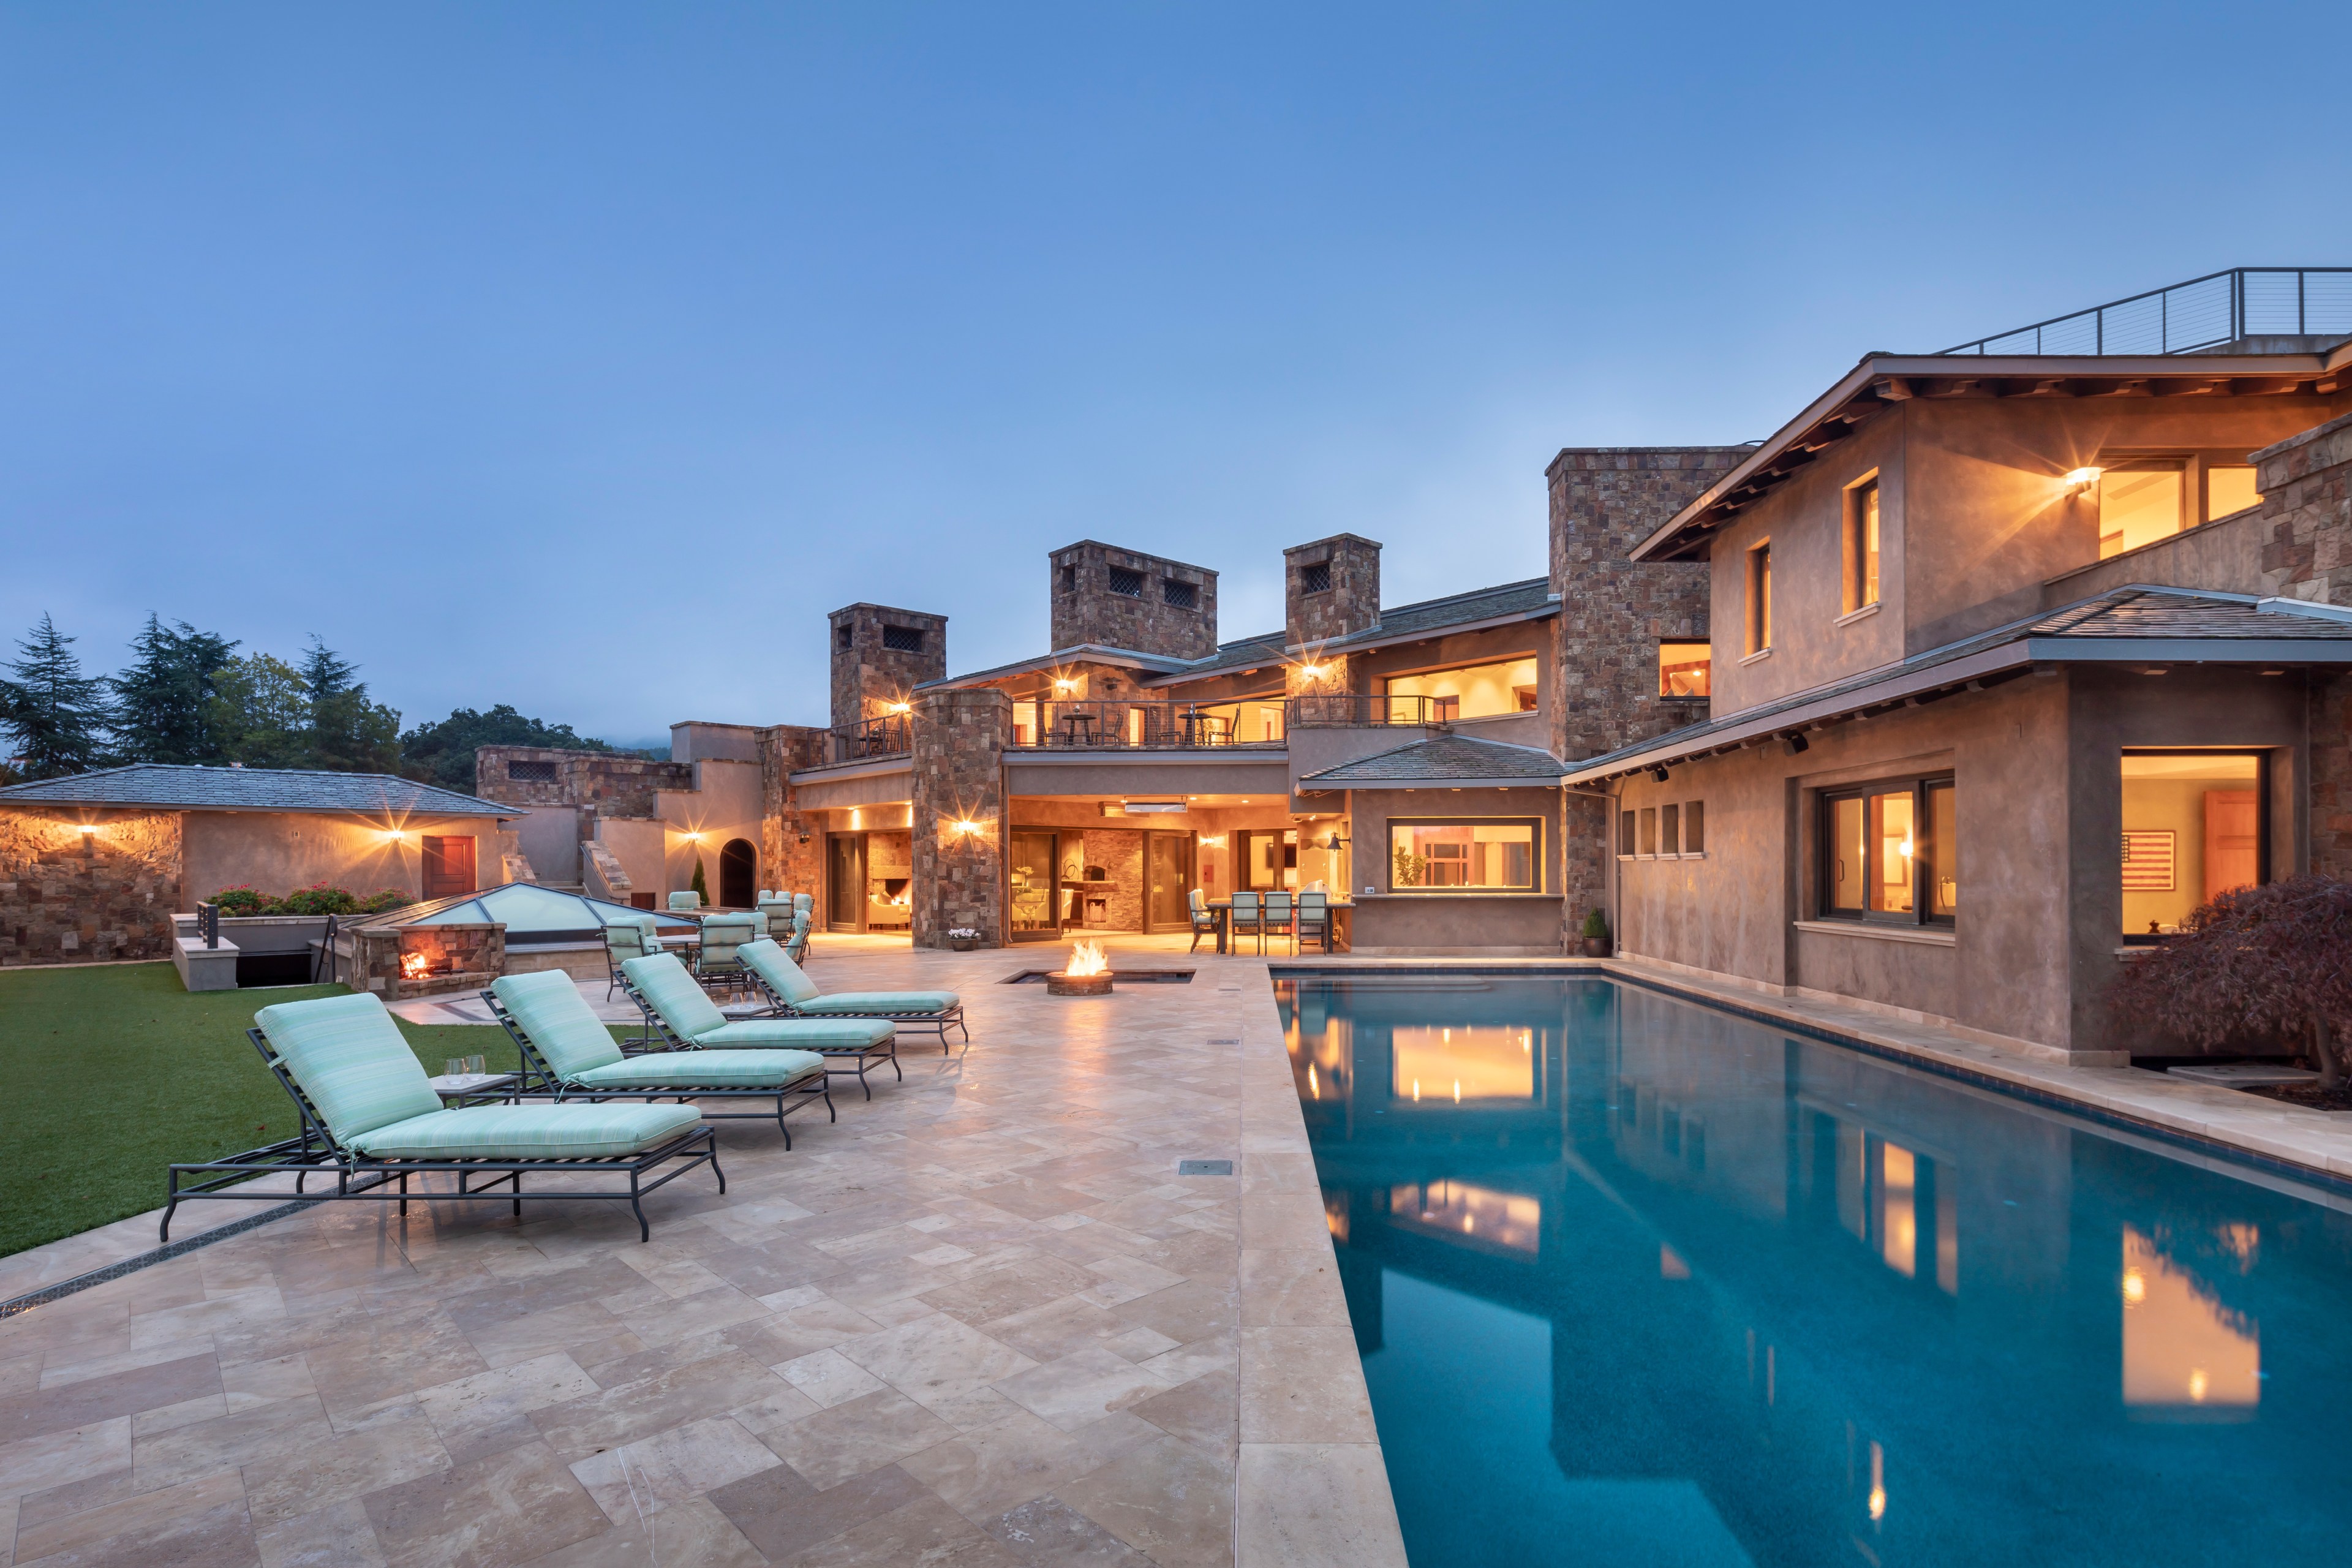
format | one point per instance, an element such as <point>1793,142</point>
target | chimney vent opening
<point>1126,583</point>
<point>1315,577</point>
<point>1182,596</point>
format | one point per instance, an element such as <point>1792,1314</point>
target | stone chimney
<point>879,655</point>
<point>1330,589</point>
<point>1119,598</point>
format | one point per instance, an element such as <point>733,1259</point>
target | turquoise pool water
<point>1635,1281</point>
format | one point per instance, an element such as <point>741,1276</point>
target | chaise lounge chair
<point>568,1052</point>
<point>370,1115</point>
<point>793,995</point>
<point>675,1008</point>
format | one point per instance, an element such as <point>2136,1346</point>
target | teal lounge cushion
<point>663,983</point>
<point>530,1133</point>
<point>561,1024</point>
<point>706,1070</point>
<point>857,1002</point>
<point>801,1033</point>
<point>348,1055</point>
<point>779,974</point>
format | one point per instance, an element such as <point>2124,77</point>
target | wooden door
<point>448,866</point>
<point>2233,842</point>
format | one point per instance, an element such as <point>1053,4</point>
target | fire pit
<point>1086,975</point>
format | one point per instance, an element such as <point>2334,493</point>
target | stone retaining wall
<point>67,896</point>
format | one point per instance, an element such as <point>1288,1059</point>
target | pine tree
<point>347,732</point>
<point>56,715</point>
<point>164,701</point>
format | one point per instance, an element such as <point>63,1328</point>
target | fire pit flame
<point>414,966</point>
<point>1086,975</point>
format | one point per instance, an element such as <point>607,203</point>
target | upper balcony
<point>2204,315</point>
<point>1262,724</point>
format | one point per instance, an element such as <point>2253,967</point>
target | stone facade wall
<point>614,783</point>
<point>67,897</point>
<point>958,775</point>
<point>2306,516</point>
<point>1613,612</point>
<point>1085,610</point>
<point>1351,604</point>
<point>791,843</point>
<point>1119,853</point>
<point>461,958</point>
<point>868,676</point>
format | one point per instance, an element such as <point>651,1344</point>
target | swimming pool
<point>1639,1281</point>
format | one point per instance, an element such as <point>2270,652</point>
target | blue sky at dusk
<point>581,356</point>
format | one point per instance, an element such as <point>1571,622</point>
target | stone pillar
<point>2306,483</point>
<point>790,849</point>
<point>879,655</point>
<point>960,739</point>
<point>1613,613</point>
<point>1330,589</point>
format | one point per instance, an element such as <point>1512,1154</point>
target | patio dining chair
<point>778,908</point>
<point>716,965</point>
<point>370,1119</point>
<point>625,940</point>
<point>1278,918</point>
<point>796,946</point>
<point>1204,918</point>
<point>1248,915</point>
<point>685,904</point>
<point>1314,920</point>
<point>567,1052</point>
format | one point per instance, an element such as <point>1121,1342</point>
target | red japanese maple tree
<point>2271,962</point>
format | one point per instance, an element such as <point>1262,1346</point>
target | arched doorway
<point>738,871</point>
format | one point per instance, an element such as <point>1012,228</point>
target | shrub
<point>2273,960</point>
<point>390,899</point>
<point>241,899</point>
<point>701,889</point>
<point>318,898</point>
<point>1596,924</point>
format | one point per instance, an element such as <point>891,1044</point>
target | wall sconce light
<point>2080,479</point>
<point>1065,683</point>
<point>964,826</point>
<point>389,835</point>
<point>898,708</point>
<point>90,830</point>
<point>1314,671</point>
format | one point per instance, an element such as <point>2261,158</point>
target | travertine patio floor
<point>979,1320</point>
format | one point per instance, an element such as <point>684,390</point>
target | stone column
<point>790,851</point>
<point>959,814</point>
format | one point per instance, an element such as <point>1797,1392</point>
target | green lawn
<point>108,1074</point>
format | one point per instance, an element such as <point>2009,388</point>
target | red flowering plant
<point>2266,963</point>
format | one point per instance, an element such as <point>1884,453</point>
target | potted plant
<point>1596,935</point>
<point>964,939</point>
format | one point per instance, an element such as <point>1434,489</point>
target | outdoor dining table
<point>1224,913</point>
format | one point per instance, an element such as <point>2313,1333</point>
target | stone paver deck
<point>977,1321</point>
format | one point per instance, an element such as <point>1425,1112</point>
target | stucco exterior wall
<point>278,851</point>
<point>1522,923</point>
<point>726,803</point>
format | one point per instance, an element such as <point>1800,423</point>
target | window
<point>1465,855</point>
<point>1126,583</point>
<point>1180,595</point>
<point>2193,827</point>
<point>1315,577</point>
<point>903,639</point>
<point>2140,504</point>
<point>2229,487</point>
<point>1861,546</point>
<point>1625,833</point>
<point>1649,832</point>
<point>1478,691</point>
<point>1759,598</point>
<point>532,773</point>
<point>1670,835</point>
<point>1694,827</point>
<point>1681,669</point>
<point>1890,853</point>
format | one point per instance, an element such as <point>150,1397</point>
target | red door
<point>449,867</point>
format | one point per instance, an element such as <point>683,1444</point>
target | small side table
<point>474,1087</point>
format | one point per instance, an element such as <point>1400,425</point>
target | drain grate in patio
<point>1204,1167</point>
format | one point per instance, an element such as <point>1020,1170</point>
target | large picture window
<point>1479,691</point>
<point>1891,853</point>
<point>2192,829</point>
<point>1463,856</point>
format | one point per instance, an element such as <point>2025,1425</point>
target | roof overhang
<point>1084,653</point>
<point>365,814</point>
<point>876,768</point>
<point>1990,666</point>
<point>1881,381</point>
<point>1309,786</point>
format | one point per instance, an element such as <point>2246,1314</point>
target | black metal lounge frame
<point>887,1051</point>
<point>366,1177</point>
<point>539,1079</point>
<point>938,1023</point>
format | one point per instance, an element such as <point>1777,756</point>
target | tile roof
<point>251,789</point>
<point>1455,610</point>
<point>1449,757</point>
<point>2127,625</point>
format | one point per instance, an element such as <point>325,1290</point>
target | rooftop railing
<point>2202,313</point>
<point>1094,725</point>
<point>1357,710</point>
<point>873,740</point>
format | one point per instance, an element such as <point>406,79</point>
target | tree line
<point>189,696</point>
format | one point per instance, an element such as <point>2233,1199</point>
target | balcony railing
<point>873,740</point>
<point>1358,711</point>
<point>2202,313</point>
<point>1100,726</point>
